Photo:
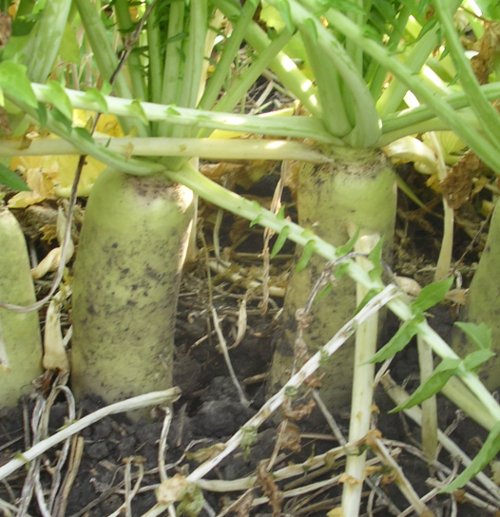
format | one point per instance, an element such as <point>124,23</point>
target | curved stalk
<point>126,279</point>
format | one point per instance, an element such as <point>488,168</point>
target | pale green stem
<point>489,153</point>
<point>429,406</point>
<point>362,388</point>
<point>45,39</point>
<point>155,63</point>
<point>195,54</point>
<point>209,149</point>
<point>488,115</point>
<point>377,74</point>
<point>302,127</point>
<point>172,66</point>
<point>134,66</point>
<point>408,121</point>
<point>247,78</point>
<point>289,74</point>
<point>232,45</point>
<point>366,125</point>
<point>391,98</point>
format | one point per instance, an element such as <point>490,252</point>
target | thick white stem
<point>362,389</point>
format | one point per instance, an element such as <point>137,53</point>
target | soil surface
<point>114,468</point>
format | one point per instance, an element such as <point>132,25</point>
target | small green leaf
<point>479,334</point>
<point>136,109</point>
<point>477,358</point>
<point>439,377</point>
<point>172,112</point>
<point>256,221</point>
<point>12,180</point>
<point>431,295</point>
<point>307,253</point>
<point>280,241</point>
<point>281,213</point>
<point>59,98</point>
<point>14,80</point>
<point>97,97</point>
<point>400,339</point>
<point>488,452</point>
<point>349,245</point>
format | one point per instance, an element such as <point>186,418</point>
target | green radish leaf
<point>281,213</point>
<point>307,253</point>
<point>14,80</point>
<point>477,358</point>
<point>349,245</point>
<point>12,180</point>
<point>136,109</point>
<point>60,99</point>
<point>280,241</point>
<point>438,378</point>
<point>488,452</point>
<point>95,96</point>
<point>400,339</point>
<point>479,334</point>
<point>431,295</point>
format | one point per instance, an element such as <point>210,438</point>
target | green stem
<point>490,119</point>
<point>207,148</point>
<point>407,122</point>
<point>134,65</point>
<point>302,127</point>
<point>333,55</point>
<point>489,153</point>
<point>223,69</point>
<point>289,74</point>
<point>172,66</point>
<point>45,39</point>
<point>243,82</point>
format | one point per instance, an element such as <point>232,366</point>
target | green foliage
<point>11,179</point>
<point>307,253</point>
<point>280,241</point>
<point>431,295</point>
<point>398,341</point>
<point>14,80</point>
<point>433,384</point>
<point>60,99</point>
<point>488,452</point>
